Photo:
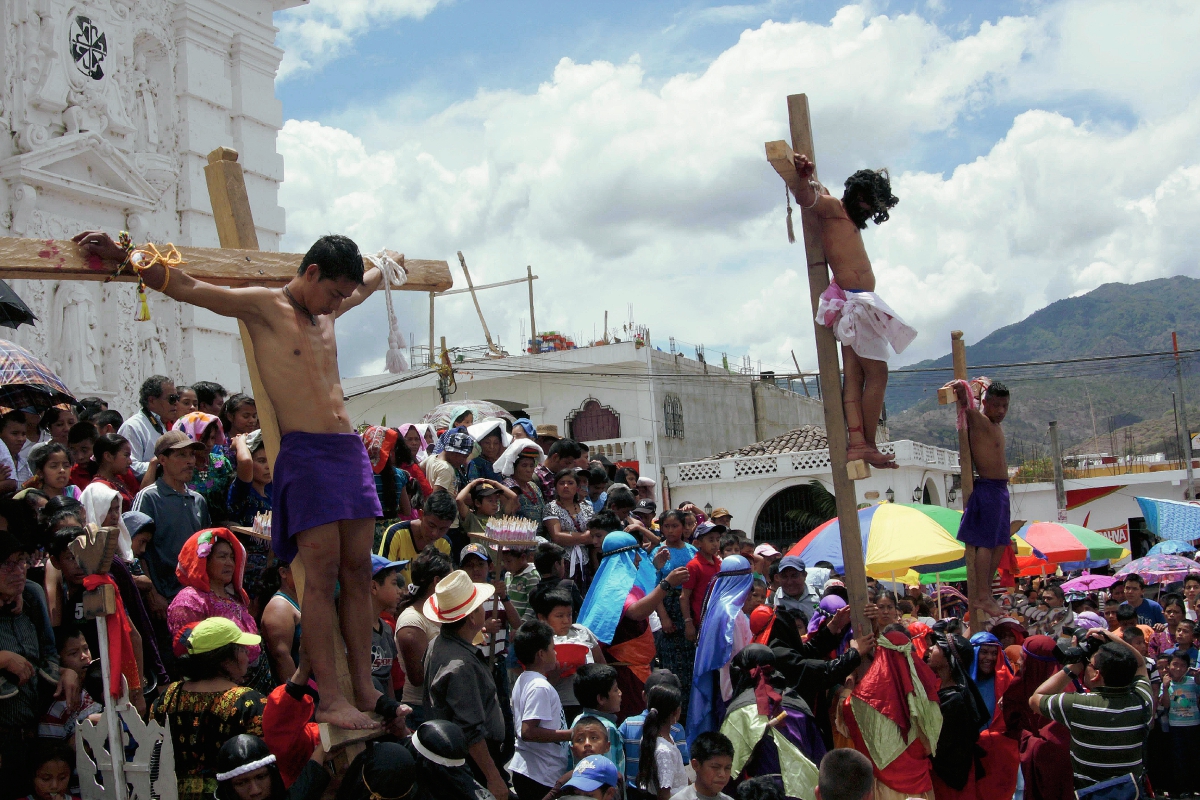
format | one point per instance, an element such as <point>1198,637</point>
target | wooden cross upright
<point>238,262</point>
<point>844,473</point>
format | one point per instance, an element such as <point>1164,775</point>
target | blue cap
<point>379,563</point>
<point>792,562</point>
<point>592,773</point>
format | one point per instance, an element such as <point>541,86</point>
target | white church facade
<point>108,112</point>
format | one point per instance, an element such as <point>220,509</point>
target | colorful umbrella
<point>1171,547</point>
<point>1159,568</point>
<point>1171,519</point>
<point>439,416</point>
<point>27,383</point>
<point>1062,543</point>
<point>895,538</point>
<point>1089,583</point>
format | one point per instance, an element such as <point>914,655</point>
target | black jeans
<point>528,788</point>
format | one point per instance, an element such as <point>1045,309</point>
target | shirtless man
<point>323,489</point>
<point>984,528</point>
<point>860,320</point>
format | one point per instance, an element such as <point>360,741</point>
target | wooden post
<point>478,310</point>
<point>828,362</point>
<point>958,352</point>
<point>432,358</point>
<point>532,319</point>
<point>235,229</point>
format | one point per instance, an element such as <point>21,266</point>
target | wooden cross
<point>238,262</point>
<point>844,473</point>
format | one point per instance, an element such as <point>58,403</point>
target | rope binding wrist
<point>140,259</point>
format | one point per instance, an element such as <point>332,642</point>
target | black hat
<point>646,507</point>
<point>11,543</point>
<point>442,742</point>
<point>484,490</point>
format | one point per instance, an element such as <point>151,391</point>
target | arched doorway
<point>930,495</point>
<point>593,422</point>
<point>792,512</point>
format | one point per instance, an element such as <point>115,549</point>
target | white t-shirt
<point>413,694</point>
<point>534,698</point>
<point>690,793</point>
<point>671,774</point>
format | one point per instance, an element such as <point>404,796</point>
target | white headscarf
<point>507,462</point>
<point>482,429</point>
<point>97,500</point>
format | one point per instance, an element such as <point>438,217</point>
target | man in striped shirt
<point>1109,724</point>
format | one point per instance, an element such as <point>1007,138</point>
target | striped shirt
<point>631,732</point>
<point>519,586</point>
<point>1108,730</point>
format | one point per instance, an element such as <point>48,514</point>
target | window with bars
<point>673,416</point>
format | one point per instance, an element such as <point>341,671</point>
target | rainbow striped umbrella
<point>895,538</point>
<point>1065,544</point>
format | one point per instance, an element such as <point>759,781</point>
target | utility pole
<point>1186,448</point>
<point>443,384</point>
<point>1060,493</point>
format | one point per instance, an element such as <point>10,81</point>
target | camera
<point>1078,654</point>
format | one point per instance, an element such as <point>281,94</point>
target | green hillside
<point>1087,399</point>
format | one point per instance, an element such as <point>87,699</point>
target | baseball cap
<point>792,562</point>
<point>646,507</point>
<point>212,634</point>
<point>460,443</point>
<point>721,512</point>
<point>379,563</point>
<point>474,550</point>
<point>767,551</point>
<point>708,527</point>
<point>592,773</point>
<point>175,440</point>
<point>484,490</point>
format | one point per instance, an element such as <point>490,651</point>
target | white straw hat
<point>455,597</point>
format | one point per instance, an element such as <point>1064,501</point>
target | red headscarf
<point>1037,665</point>
<point>380,442</point>
<point>192,568</point>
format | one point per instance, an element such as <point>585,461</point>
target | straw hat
<point>455,597</point>
<point>547,431</point>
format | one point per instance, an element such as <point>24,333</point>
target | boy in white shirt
<point>712,761</point>
<point>542,753</point>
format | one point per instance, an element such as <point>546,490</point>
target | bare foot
<point>341,714</point>
<point>872,456</point>
<point>365,699</point>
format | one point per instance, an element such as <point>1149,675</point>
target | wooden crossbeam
<point>844,474</point>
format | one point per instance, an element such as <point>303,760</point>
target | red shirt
<point>700,575</point>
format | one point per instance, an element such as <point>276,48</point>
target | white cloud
<point>620,192</point>
<point>313,35</point>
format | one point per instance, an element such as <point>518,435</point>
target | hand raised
<point>804,166</point>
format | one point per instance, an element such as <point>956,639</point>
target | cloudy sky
<point>1039,149</point>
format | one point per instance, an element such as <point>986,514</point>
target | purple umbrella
<point>1160,568</point>
<point>1088,583</point>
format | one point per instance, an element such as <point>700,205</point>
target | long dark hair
<point>873,187</point>
<point>231,407</point>
<point>429,568</point>
<point>202,666</point>
<point>108,443</point>
<point>662,702</point>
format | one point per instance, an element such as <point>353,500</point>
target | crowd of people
<point>625,651</point>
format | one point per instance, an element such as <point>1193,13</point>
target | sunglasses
<point>172,399</point>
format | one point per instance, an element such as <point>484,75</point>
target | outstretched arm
<point>372,278</point>
<point>243,304</point>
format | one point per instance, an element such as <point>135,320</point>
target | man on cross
<point>984,529</point>
<point>861,321</point>
<point>324,491</point>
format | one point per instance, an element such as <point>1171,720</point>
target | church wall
<point>130,114</point>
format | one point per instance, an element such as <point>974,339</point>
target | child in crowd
<point>14,436</point>
<point>1180,692</point>
<point>576,646</point>
<point>480,500</point>
<point>386,594</point>
<point>80,439</point>
<point>589,737</point>
<point>597,692</point>
<point>703,567</point>
<point>541,752</point>
<point>757,596</point>
<point>712,761</point>
<point>594,778</point>
<point>550,560</point>
<point>520,579</point>
<point>1185,642</point>
<point>730,545</point>
<point>661,773</point>
<point>631,728</point>
<point>58,724</point>
<point>52,766</point>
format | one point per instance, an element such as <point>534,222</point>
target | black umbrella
<point>13,311</point>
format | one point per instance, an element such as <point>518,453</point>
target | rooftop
<point>799,440</point>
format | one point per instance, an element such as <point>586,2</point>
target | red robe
<point>1002,759</point>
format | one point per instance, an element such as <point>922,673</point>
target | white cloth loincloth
<point>864,322</point>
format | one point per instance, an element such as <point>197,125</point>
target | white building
<point>761,483</point>
<point>633,403</point>
<point>108,112</point>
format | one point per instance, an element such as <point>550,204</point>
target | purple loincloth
<point>985,520</point>
<point>319,478</point>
